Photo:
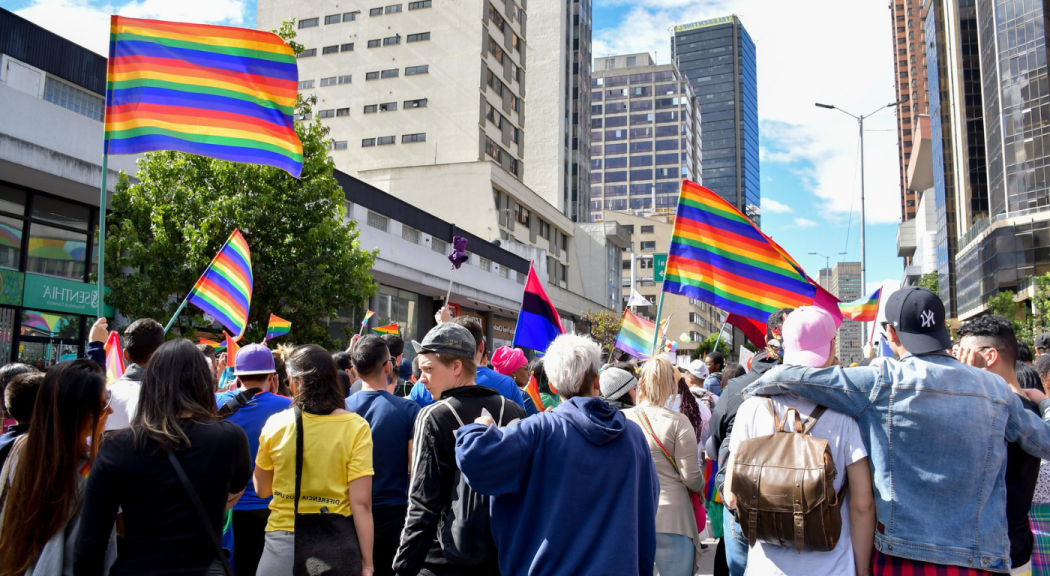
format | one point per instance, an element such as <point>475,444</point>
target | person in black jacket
<point>447,528</point>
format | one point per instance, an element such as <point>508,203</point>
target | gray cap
<point>447,338</point>
<point>615,382</point>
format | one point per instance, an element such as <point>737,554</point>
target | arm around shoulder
<point>844,390</point>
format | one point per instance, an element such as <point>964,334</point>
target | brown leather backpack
<point>784,487</point>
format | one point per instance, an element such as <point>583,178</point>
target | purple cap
<point>254,359</point>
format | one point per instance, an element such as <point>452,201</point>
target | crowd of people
<point>471,461</point>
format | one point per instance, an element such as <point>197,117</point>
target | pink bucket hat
<point>506,360</point>
<point>807,336</point>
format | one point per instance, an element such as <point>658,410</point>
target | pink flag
<point>114,358</point>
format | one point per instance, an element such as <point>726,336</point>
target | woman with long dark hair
<point>168,527</point>
<point>336,477</point>
<point>43,480</point>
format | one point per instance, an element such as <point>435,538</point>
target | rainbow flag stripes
<point>388,329</point>
<point>225,289</point>
<point>636,335</point>
<point>213,344</point>
<point>277,327</point>
<point>863,310</point>
<point>114,358</point>
<point>717,255</point>
<point>216,91</point>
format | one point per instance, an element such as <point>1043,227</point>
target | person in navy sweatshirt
<point>548,515</point>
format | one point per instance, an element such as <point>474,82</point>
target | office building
<point>824,278</point>
<point>718,58</point>
<point>644,135</point>
<point>912,87</point>
<point>845,285</point>
<point>557,148</point>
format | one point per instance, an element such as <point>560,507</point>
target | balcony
<point>906,241</point>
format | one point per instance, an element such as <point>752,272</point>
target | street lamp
<point>827,258</point>
<point>860,124</point>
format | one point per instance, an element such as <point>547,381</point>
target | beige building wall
<point>844,283</point>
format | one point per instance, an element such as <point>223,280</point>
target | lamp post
<point>827,258</point>
<point>860,125</point>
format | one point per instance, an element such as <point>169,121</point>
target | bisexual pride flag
<point>538,320</point>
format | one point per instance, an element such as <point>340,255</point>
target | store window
<point>56,252</point>
<point>400,307</point>
<point>47,338</point>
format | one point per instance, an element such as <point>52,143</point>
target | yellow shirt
<point>337,449</point>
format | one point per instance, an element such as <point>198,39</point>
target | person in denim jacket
<point>936,431</point>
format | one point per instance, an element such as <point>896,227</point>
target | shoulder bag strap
<point>298,456</point>
<point>502,407</point>
<point>649,430</point>
<point>200,512</point>
<point>813,417</point>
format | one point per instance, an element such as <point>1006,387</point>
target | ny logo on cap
<point>927,319</point>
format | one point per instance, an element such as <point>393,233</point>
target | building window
<point>72,98</point>
<point>421,103</point>
<point>388,107</point>
<point>378,221</point>
<point>391,40</point>
<point>496,18</point>
<point>375,43</point>
<point>342,112</point>
<point>647,229</point>
<point>340,144</point>
<point>371,108</point>
<point>346,47</point>
<point>648,246</point>
<point>308,23</point>
<point>392,73</point>
<point>328,81</point>
<point>368,142</point>
<point>307,53</point>
<point>419,5</point>
<point>409,234</point>
<point>438,245</point>
<point>350,16</point>
<point>305,84</point>
<point>485,264</point>
<point>345,79</point>
<point>504,272</point>
<point>419,37</point>
<point>330,113</point>
<point>371,76</point>
<point>375,12</point>
<point>384,140</point>
<point>393,8</point>
<point>333,19</point>
<point>413,70</point>
<point>409,138</point>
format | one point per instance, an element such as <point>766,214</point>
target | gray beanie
<point>615,382</point>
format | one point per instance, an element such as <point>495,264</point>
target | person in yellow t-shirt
<point>337,461</point>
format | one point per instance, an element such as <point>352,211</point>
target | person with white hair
<point>553,458</point>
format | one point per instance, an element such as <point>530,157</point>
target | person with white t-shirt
<point>808,340</point>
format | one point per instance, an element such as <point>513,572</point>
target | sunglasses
<point>109,400</point>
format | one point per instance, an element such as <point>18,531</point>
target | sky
<point>831,51</point>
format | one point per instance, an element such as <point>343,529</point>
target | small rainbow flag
<point>368,315</point>
<point>862,310</point>
<point>388,329</point>
<point>216,91</point>
<point>636,335</point>
<point>213,344</point>
<point>231,351</point>
<point>533,390</point>
<point>278,327</point>
<point>114,358</point>
<point>225,289</point>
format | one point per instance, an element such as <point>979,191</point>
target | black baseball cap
<point>917,315</point>
<point>447,338</point>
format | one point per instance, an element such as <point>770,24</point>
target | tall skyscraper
<point>718,58</point>
<point>557,149</point>
<point>644,134</point>
<point>912,87</point>
<point>845,285</point>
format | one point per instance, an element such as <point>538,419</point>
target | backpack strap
<point>455,414</point>
<point>502,407</point>
<point>778,426</point>
<point>812,420</point>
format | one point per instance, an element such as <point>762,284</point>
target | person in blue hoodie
<point>548,514</point>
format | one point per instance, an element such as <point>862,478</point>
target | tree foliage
<point>929,281</point>
<point>307,262</point>
<point>708,345</point>
<point>602,326</point>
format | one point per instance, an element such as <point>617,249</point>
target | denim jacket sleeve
<point>849,391</point>
<point>1027,429</point>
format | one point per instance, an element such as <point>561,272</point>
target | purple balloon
<point>458,255</point>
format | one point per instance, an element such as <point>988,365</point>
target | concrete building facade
<point>718,58</point>
<point>644,133</point>
<point>908,34</point>
<point>845,285</point>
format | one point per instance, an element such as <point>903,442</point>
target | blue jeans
<point>674,555</point>
<point>736,545</point>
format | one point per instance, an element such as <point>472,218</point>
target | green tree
<point>307,263</point>
<point>708,345</point>
<point>1003,304</point>
<point>602,326</point>
<point>929,281</point>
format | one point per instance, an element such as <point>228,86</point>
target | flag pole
<point>660,304</point>
<point>102,236</point>
<point>719,338</point>
<point>177,312</point>
<point>187,298</point>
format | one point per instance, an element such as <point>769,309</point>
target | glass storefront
<point>399,307</point>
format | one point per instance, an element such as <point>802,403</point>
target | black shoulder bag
<point>220,553</point>
<point>325,543</point>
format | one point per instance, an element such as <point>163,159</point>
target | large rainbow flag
<point>216,91</point>
<point>862,310</point>
<point>719,256</point>
<point>636,335</point>
<point>225,289</point>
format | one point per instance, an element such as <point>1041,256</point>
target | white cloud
<point>87,23</point>
<point>771,205</point>
<point>805,223</point>
<point>804,56</point>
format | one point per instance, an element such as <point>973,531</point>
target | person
<point>940,500</point>
<point>336,463</point>
<point>416,372</point>
<point>164,532</point>
<point>485,376</point>
<point>1042,344</point>
<point>1042,367</point>
<point>547,396</point>
<point>141,339</point>
<point>43,481</point>
<point>617,387</point>
<point>672,445</point>
<point>732,370</point>
<point>7,373</point>
<point>562,447</point>
<point>396,346</point>
<point>715,362</point>
<point>1024,353</point>
<point>209,356</point>
<point>446,530</point>
<point>696,374</point>
<point>1027,376</point>
<point>392,420</point>
<point>256,373</point>
<point>342,361</point>
<point>19,399</point>
<point>722,419</point>
<point>809,340</point>
<point>992,337</point>
<point>511,362</point>
<point>280,354</point>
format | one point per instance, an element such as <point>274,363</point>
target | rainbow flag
<point>216,91</point>
<point>277,327</point>
<point>533,390</point>
<point>231,351</point>
<point>636,335</point>
<point>114,358</point>
<point>863,310</point>
<point>720,257</point>
<point>213,344</point>
<point>368,315</point>
<point>388,329</point>
<point>225,289</point>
